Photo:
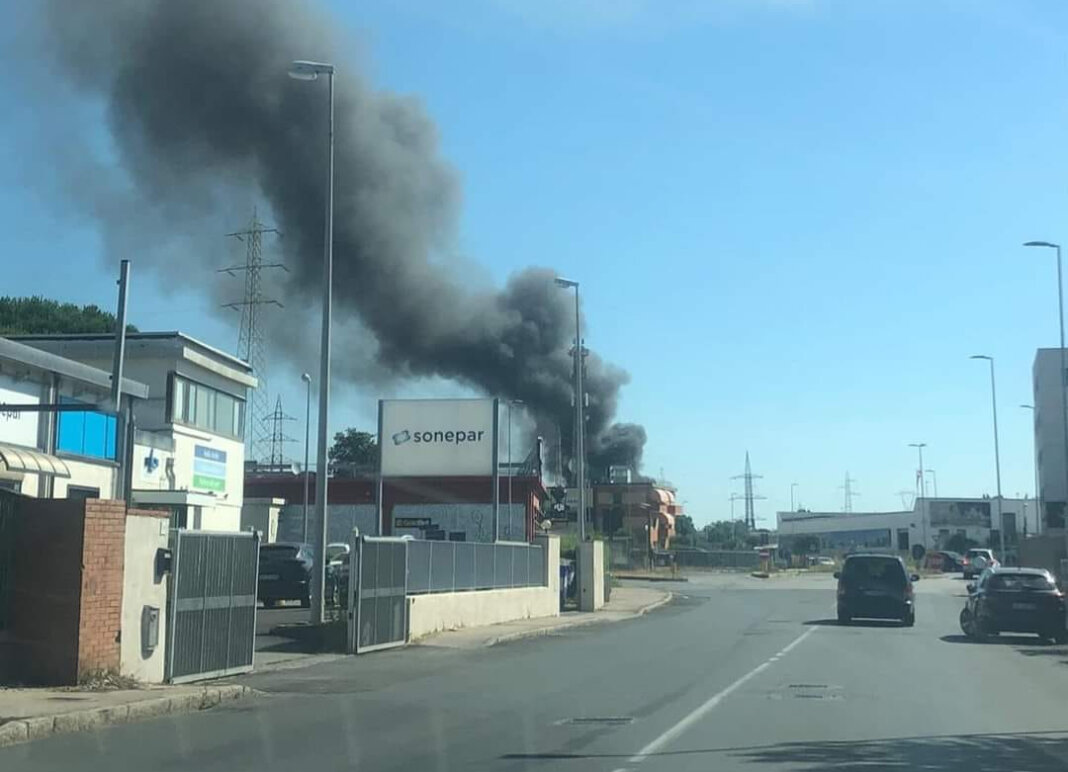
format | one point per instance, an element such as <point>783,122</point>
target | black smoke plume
<point>200,112</point>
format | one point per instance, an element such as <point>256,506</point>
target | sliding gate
<point>378,590</point>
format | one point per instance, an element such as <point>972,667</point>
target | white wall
<point>87,475</point>
<point>436,612</point>
<point>262,514</point>
<point>145,534</point>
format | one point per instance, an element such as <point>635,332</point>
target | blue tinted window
<point>87,433</point>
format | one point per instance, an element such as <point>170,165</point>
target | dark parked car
<point>285,574</point>
<point>1014,600</point>
<point>945,561</point>
<point>875,587</point>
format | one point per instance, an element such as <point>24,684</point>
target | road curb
<point>38,727</point>
<point>582,622</point>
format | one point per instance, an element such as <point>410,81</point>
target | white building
<point>59,453</point>
<point>931,522</point>
<point>1049,434</point>
<point>189,448</point>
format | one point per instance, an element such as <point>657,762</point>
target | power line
<point>250,343</point>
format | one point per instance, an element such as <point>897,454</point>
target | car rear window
<point>279,552</point>
<point>1019,582</point>
<point>874,571</point>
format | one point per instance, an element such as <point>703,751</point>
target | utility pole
<point>904,499</point>
<point>849,493</point>
<point>250,342</point>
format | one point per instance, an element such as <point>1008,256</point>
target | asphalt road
<point>735,674</point>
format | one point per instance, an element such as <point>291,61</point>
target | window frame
<point>185,396</point>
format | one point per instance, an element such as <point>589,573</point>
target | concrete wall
<point>454,610</point>
<point>86,474</point>
<point>143,585</point>
<point>591,575</point>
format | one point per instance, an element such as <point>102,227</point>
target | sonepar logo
<point>438,436</point>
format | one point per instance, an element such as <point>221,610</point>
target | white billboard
<point>17,427</point>
<point>437,437</point>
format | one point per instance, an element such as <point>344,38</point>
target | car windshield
<point>1018,582</point>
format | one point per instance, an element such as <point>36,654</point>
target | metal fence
<point>446,566</point>
<point>718,559</point>
<point>8,504</point>
<point>378,617</point>
<point>212,598</point>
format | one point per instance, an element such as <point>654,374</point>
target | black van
<point>875,587</point>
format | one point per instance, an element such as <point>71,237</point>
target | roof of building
<point>158,335</point>
<point>43,360</point>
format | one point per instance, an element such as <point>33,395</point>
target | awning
<point>32,461</point>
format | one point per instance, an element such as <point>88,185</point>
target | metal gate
<point>378,602</point>
<point>211,593</point>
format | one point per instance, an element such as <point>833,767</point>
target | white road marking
<point>698,713</point>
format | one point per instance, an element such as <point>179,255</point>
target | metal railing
<point>447,566</point>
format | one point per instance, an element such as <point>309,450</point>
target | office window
<point>206,408</point>
<point>86,433</point>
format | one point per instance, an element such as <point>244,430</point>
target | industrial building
<point>931,522</point>
<point>188,432</point>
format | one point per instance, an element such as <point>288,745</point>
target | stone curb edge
<point>39,727</point>
<point>590,620</point>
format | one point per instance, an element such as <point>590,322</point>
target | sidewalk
<point>30,714</point>
<point>626,603</point>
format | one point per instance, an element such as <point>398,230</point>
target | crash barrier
<point>212,603</point>
<point>446,566</point>
<point>747,559</point>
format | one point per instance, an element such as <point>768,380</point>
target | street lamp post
<point>510,403</point>
<point>580,398</point>
<point>307,439</point>
<point>997,451</point>
<point>1064,374</point>
<point>1038,498</point>
<point>303,70</point>
<point>922,490</point>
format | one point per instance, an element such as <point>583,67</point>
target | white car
<point>977,560</point>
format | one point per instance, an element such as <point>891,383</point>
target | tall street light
<point>922,490</point>
<point>580,398</point>
<point>307,440</point>
<point>302,70</point>
<point>1064,375</point>
<point>997,452</point>
<point>1038,497</point>
<point>510,403</point>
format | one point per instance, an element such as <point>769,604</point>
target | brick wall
<point>100,615</point>
<point>66,602</point>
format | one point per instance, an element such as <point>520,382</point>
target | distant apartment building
<point>188,435</point>
<point>1049,435</point>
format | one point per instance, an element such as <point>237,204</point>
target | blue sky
<point>793,219</point>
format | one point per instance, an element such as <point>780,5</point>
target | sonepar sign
<point>437,437</point>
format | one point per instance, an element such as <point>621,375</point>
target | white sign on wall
<point>436,437</point>
<point>18,428</point>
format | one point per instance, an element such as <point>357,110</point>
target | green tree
<point>41,316</point>
<point>725,534</point>
<point>354,453</point>
<point>684,526</point>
